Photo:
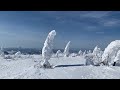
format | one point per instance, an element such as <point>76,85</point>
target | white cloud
<point>99,32</point>
<point>95,14</point>
<point>58,17</point>
<point>91,28</point>
<point>6,33</point>
<point>110,22</point>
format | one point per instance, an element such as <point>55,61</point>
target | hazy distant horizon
<point>39,50</point>
<point>53,48</point>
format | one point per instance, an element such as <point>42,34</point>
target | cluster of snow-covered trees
<point>95,57</point>
<point>48,47</point>
<point>13,55</point>
<point>109,56</point>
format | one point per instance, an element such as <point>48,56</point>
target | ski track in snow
<point>66,68</point>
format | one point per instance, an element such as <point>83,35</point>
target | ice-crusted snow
<point>110,52</point>
<point>66,68</point>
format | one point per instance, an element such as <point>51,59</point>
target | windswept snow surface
<point>66,68</point>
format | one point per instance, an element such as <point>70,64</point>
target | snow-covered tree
<point>73,54</point>
<point>1,49</point>
<point>89,51</point>
<point>47,49</point>
<point>89,59</point>
<point>11,52</point>
<point>96,50</point>
<point>66,50</point>
<point>94,58</point>
<point>97,56</point>
<point>117,58</point>
<point>80,53</point>
<point>57,53</point>
<point>110,52</point>
<point>2,52</point>
<point>17,54</point>
<point>84,53</point>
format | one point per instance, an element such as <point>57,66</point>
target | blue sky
<point>85,29</point>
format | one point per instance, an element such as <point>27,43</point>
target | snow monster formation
<point>117,59</point>
<point>47,49</point>
<point>95,57</point>
<point>17,54</point>
<point>84,53</point>
<point>66,50</point>
<point>80,53</point>
<point>2,52</point>
<point>108,57</point>
<point>57,53</point>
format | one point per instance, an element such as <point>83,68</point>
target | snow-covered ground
<point>66,68</point>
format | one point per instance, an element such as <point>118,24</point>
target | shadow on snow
<point>69,65</point>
